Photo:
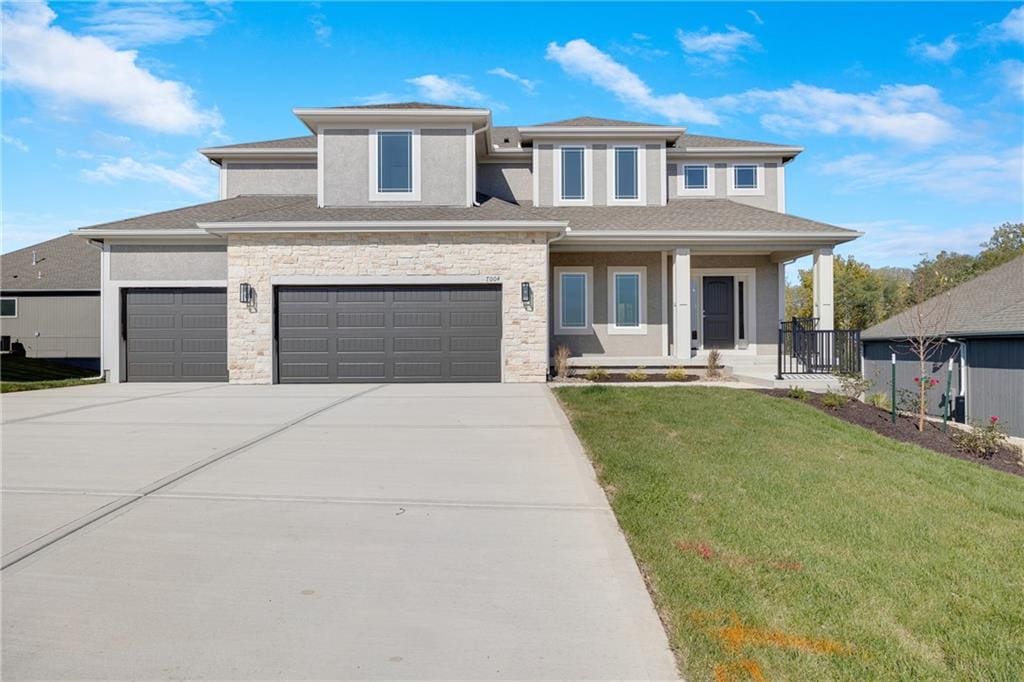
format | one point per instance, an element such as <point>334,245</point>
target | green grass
<point>910,560</point>
<point>30,374</point>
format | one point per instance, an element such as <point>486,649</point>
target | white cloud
<point>321,30</point>
<point>911,114</point>
<point>527,84</point>
<point>581,59</point>
<point>1010,29</point>
<point>14,142</point>
<point>705,47</point>
<point>937,52</point>
<point>70,69</point>
<point>436,88</point>
<point>192,177</point>
<point>1012,71</point>
<point>897,241</point>
<point>757,17</point>
<point>137,24</point>
<point>959,176</point>
<point>642,37</point>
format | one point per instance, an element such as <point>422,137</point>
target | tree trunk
<point>922,395</point>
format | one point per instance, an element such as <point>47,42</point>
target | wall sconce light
<point>527,294</point>
<point>245,293</point>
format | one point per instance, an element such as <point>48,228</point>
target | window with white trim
<point>744,176</point>
<point>574,300</point>
<point>627,299</point>
<point>573,173</point>
<point>627,173</point>
<point>8,307</point>
<point>695,176</point>
<point>394,161</point>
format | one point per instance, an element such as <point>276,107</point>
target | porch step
<point>816,383</point>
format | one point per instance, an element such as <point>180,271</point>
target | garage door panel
<point>305,320</point>
<point>175,334</point>
<point>390,333</point>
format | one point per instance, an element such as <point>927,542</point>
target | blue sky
<point>912,115</point>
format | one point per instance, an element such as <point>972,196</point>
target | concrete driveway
<point>401,531</point>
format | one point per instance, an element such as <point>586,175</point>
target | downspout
<point>547,277</point>
<point>487,126</point>
<point>98,244</point>
<point>963,371</point>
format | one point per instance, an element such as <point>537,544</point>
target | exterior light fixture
<point>245,293</point>
<point>526,293</point>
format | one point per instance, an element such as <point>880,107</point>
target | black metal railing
<point>806,350</point>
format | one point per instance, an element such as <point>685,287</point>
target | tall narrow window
<point>695,177</point>
<point>745,177</point>
<point>740,313</point>
<point>572,173</point>
<point>573,287</point>
<point>627,299</point>
<point>394,161</point>
<point>626,173</point>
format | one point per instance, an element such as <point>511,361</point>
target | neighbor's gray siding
<point>509,181</point>
<point>442,167</point>
<point>67,326</point>
<point>877,369</point>
<point>995,381</point>
<point>600,342</point>
<point>168,262</point>
<point>270,178</point>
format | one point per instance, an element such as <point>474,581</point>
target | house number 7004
<point>492,278</point>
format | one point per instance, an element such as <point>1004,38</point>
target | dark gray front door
<point>175,335</point>
<point>388,334</point>
<point>719,313</point>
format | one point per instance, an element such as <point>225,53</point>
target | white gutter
<point>187,233</point>
<point>766,151</point>
<point>257,151</point>
<point>713,235</point>
<point>963,370</point>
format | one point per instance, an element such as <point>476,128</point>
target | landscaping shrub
<point>798,393</point>
<point>598,374</point>
<point>879,400</point>
<point>853,385</point>
<point>638,374</point>
<point>714,364</point>
<point>676,374</point>
<point>981,440</point>
<point>562,355</point>
<point>833,401</point>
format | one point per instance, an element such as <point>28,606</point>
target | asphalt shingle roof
<point>711,141</point>
<point>67,263</point>
<point>991,303</point>
<point>683,215</point>
<point>303,142</point>
<point>400,105</point>
<point>594,121</point>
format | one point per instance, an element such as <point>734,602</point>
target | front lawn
<point>783,543</point>
<point>30,374</point>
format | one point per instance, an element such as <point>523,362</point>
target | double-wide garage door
<point>449,333</point>
<point>175,334</point>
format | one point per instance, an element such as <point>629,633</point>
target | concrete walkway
<point>402,531</point>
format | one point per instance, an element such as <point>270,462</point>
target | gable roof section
<point>709,141</point>
<point>67,263</point>
<point>301,142</point>
<point>990,304</point>
<point>401,105</point>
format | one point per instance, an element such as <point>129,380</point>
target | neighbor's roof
<point>990,304</point>
<point>681,215</point>
<point>67,263</point>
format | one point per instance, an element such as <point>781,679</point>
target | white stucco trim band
<point>389,226</point>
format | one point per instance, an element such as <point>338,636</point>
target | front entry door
<point>719,313</point>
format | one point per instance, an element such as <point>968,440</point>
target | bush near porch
<point>780,541</point>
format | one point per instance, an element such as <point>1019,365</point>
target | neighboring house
<point>50,301</point>
<point>981,324</point>
<point>418,242</point>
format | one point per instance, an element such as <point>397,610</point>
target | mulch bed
<point>905,429</point>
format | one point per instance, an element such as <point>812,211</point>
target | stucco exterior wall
<point>270,178</point>
<point>655,175</point>
<point>509,257</point>
<point>509,181</point>
<point>769,200</point>
<point>168,262</point>
<point>599,169</point>
<point>55,326</point>
<point>443,168</point>
<point>600,342</point>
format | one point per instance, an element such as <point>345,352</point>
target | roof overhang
<point>619,132</point>
<point>316,118</point>
<point>234,153</point>
<point>557,226</point>
<point>763,240</point>
<point>186,234</point>
<point>748,152</point>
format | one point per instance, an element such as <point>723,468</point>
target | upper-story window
<point>573,173</point>
<point>744,176</point>
<point>394,161</point>
<point>695,177</point>
<point>394,165</point>
<point>627,173</point>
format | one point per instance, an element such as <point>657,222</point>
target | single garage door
<point>389,333</point>
<point>175,335</point>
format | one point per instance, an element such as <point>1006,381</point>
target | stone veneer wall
<point>514,257</point>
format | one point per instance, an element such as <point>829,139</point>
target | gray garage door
<point>175,335</point>
<point>389,334</point>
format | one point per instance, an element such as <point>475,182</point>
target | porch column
<point>823,309</point>
<point>681,303</point>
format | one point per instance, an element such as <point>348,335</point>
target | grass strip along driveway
<point>31,374</point>
<point>782,543</point>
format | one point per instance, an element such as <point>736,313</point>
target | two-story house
<point>418,242</point>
